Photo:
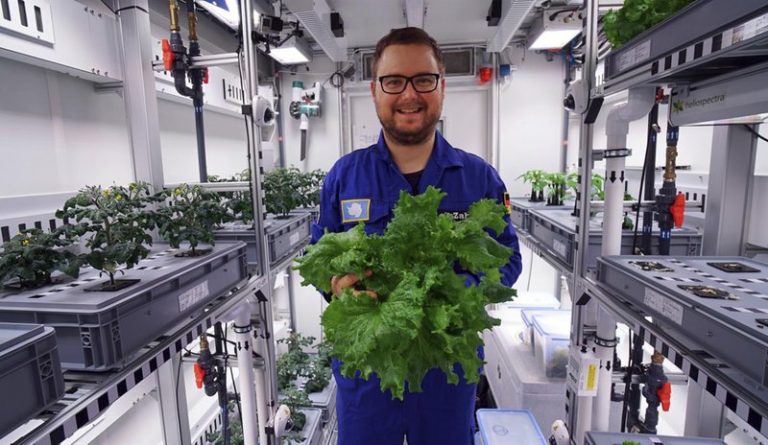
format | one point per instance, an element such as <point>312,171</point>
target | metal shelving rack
<point>90,395</point>
<point>714,56</point>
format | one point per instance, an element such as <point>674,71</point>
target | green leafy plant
<point>556,187</point>
<point>295,399</point>
<point>190,215</point>
<point>324,354</point>
<point>598,187</point>
<point>636,16</point>
<point>538,180</point>
<point>30,258</point>
<point>424,316</point>
<point>286,189</point>
<point>294,363</point>
<point>235,429</point>
<point>117,223</point>
<point>318,376</point>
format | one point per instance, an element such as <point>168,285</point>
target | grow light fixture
<point>294,51</point>
<point>554,31</point>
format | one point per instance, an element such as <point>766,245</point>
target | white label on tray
<point>747,30</point>
<point>634,55</point>
<point>293,239</point>
<point>560,248</point>
<point>664,306</point>
<point>193,296</point>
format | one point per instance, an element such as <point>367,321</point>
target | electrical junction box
<point>713,302</point>
<point>555,230</point>
<point>30,373</point>
<point>98,330</point>
<point>285,235</point>
<point>646,439</point>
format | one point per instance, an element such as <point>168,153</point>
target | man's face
<point>409,117</point>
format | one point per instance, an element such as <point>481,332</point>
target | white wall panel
<point>531,119</point>
<point>58,133</point>
<point>226,151</point>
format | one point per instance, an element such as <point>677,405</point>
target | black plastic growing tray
<point>30,373</point>
<point>98,330</point>
<point>285,235</point>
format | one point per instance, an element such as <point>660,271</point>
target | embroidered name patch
<point>355,210</point>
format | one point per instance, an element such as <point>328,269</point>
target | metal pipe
<point>583,413</point>
<point>262,394</point>
<point>257,173</point>
<point>649,188</point>
<point>243,332</point>
<point>174,12</point>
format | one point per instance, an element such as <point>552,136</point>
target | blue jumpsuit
<point>364,186</point>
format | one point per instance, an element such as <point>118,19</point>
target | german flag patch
<point>508,203</point>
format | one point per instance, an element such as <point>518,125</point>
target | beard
<point>410,136</point>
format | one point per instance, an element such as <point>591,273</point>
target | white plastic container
<point>527,316</point>
<point>508,426</point>
<point>551,338</point>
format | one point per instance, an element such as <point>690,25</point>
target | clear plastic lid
<point>555,324</point>
<point>509,426</point>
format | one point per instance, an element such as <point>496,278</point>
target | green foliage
<point>324,354</point>
<point>425,316</point>
<point>29,258</point>
<point>598,187</point>
<point>286,189</point>
<point>636,16</point>
<point>235,429</point>
<point>630,442</point>
<point>556,188</point>
<point>295,362</point>
<point>116,221</point>
<point>191,215</point>
<point>318,376</point>
<point>295,399</point>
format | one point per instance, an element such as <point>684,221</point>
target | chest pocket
<point>375,220</point>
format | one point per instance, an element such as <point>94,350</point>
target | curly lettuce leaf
<point>425,316</point>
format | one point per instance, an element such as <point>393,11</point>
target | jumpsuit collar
<point>442,153</point>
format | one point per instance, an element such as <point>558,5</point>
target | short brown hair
<point>406,36</point>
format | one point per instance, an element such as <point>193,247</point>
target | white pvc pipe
<point>260,382</point>
<point>639,104</point>
<point>248,396</point>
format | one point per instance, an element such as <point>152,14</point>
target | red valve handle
<point>199,375</point>
<point>665,393</point>
<point>168,56</point>
<point>678,210</point>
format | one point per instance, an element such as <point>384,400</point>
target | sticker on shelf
<point>560,248</point>
<point>634,56</point>
<point>192,296</point>
<point>662,304</point>
<point>588,377</point>
<point>293,239</point>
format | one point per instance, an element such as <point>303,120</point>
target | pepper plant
<point>556,186</point>
<point>538,180</point>
<point>29,259</point>
<point>118,225</point>
<point>190,215</point>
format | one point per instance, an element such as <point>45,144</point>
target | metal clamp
<point>604,342</point>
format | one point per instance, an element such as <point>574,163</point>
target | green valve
<point>297,84</point>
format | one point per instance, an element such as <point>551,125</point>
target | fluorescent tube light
<point>293,51</point>
<point>554,38</point>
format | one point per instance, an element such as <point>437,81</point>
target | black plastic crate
<point>285,235</point>
<point>30,373</point>
<point>98,330</point>
<point>521,220</point>
<point>556,231</point>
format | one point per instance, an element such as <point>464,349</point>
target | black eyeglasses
<point>422,83</point>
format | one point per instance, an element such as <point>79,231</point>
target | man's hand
<point>339,283</point>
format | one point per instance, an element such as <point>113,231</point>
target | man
<point>408,90</point>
